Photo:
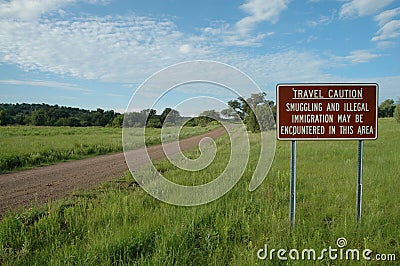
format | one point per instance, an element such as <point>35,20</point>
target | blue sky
<point>95,53</point>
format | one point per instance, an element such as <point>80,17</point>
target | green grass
<point>28,146</point>
<point>118,223</point>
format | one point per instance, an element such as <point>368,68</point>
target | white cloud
<point>104,48</point>
<point>386,16</point>
<point>241,33</point>
<point>358,8</point>
<point>128,49</point>
<point>260,10</point>
<point>383,45</point>
<point>289,66</point>
<point>389,31</point>
<point>357,57</point>
<point>28,9</point>
<point>44,83</point>
<point>185,48</point>
<point>389,28</point>
<point>33,9</point>
<point>225,35</point>
<point>322,20</point>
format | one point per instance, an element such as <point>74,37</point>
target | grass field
<point>118,223</point>
<point>27,146</point>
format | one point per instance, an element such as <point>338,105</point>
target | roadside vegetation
<point>29,146</point>
<point>119,223</point>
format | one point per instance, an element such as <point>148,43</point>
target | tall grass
<point>28,146</point>
<point>118,223</point>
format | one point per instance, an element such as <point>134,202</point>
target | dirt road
<point>41,184</point>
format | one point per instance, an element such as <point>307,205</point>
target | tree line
<point>150,118</point>
<point>54,115</point>
<point>256,112</point>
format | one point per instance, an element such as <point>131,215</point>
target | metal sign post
<point>359,179</point>
<point>292,183</point>
<point>326,111</point>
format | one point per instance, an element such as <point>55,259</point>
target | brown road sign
<point>327,111</point>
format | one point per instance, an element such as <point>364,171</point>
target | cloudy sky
<point>95,53</point>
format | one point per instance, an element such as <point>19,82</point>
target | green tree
<point>257,99</point>
<point>39,117</point>
<point>265,116</point>
<point>255,111</point>
<point>51,115</point>
<point>17,119</point>
<point>191,122</point>
<point>229,113</point>
<point>212,114</point>
<point>252,123</point>
<point>4,119</point>
<point>107,118</point>
<point>134,119</point>
<point>149,113</point>
<point>237,107</point>
<point>203,120</point>
<point>154,122</point>
<point>73,122</point>
<point>61,122</point>
<point>169,116</point>
<point>118,121</point>
<point>164,114</point>
<point>386,108</point>
<point>173,116</point>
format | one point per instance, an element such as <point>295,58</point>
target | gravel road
<point>39,185</point>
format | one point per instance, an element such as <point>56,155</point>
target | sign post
<point>292,183</point>
<point>359,179</point>
<point>326,112</point>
